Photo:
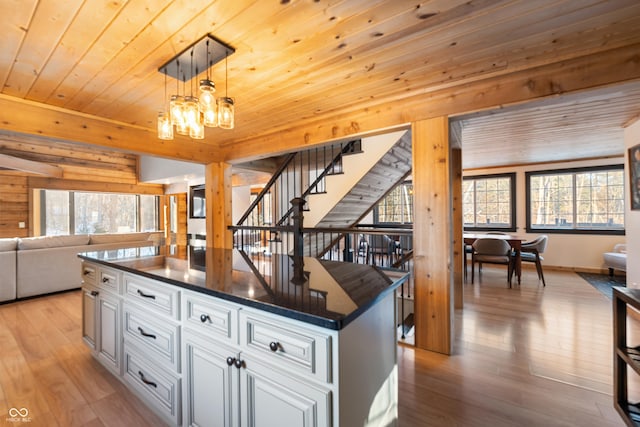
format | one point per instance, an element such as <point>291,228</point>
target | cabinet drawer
<point>157,339</point>
<point>89,273</point>
<point>110,280</point>
<point>158,297</point>
<point>154,385</point>
<point>211,318</point>
<point>286,344</point>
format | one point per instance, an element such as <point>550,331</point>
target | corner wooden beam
<point>100,186</point>
<point>29,166</point>
<point>33,118</point>
<point>218,205</point>
<point>432,228</point>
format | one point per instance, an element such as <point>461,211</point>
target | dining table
<point>514,241</point>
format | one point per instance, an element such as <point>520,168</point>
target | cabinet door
<point>210,388</point>
<point>89,301</point>
<point>109,332</point>
<point>268,398</point>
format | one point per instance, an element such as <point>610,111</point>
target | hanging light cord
<point>226,72</point>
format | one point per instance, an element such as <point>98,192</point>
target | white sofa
<point>616,259</point>
<point>8,269</point>
<point>41,265</point>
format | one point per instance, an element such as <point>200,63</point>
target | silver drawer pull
<point>204,318</point>
<point>144,334</point>
<point>274,346</point>
<point>142,294</point>
<point>146,381</point>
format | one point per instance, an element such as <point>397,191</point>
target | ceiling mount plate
<point>179,67</point>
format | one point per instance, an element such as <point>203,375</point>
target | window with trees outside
<point>585,200</point>
<point>396,207</point>
<point>488,202</point>
<point>69,212</point>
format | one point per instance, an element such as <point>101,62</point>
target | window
<point>396,207</point>
<point>586,200</point>
<point>488,202</point>
<point>68,212</point>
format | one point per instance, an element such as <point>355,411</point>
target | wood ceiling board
<point>573,128</point>
<point>48,23</point>
<point>14,21</point>
<point>90,21</point>
<point>519,87</point>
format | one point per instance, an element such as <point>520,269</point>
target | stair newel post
<point>298,240</point>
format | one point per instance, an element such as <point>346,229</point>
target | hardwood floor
<point>527,356</point>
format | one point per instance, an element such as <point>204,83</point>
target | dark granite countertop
<point>330,294</point>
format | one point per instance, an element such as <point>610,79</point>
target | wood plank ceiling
<point>304,71</point>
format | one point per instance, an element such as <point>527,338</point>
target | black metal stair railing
<point>301,174</point>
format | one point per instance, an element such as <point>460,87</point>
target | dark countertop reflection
<point>325,293</point>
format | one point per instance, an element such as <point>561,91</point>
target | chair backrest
<point>538,244</point>
<point>489,246</point>
<point>381,243</point>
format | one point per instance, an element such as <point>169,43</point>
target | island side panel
<point>368,393</point>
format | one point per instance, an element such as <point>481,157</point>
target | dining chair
<point>530,252</point>
<point>381,246</point>
<point>491,251</point>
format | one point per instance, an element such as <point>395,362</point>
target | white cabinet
<point>102,315</point>
<point>152,342</point>
<point>210,384</point>
<point>271,398</point>
<point>198,360</point>
<point>89,303</point>
<point>109,335</point>
<point>240,369</point>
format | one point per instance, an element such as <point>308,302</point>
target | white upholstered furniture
<point>40,265</point>
<point>616,259</point>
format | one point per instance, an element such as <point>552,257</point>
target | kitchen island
<point>227,338</point>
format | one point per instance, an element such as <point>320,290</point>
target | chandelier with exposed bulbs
<point>190,114</point>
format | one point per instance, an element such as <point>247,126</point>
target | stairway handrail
<point>267,187</point>
<point>345,149</point>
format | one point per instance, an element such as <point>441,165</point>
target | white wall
<point>632,218</point>
<point>165,171</point>
<point>579,251</point>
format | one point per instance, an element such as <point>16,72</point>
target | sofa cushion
<point>98,239</point>
<point>615,260</point>
<point>45,242</point>
<point>8,244</point>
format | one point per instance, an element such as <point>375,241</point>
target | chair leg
<point>540,273</point>
<point>473,268</point>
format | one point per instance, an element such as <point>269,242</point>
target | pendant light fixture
<point>191,113</point>
<point>165,129</point>
<point>225,105</point>
<point>208,104</point>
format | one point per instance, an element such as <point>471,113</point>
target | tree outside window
<point>576,200</point>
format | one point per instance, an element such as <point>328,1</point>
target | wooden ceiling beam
<point>579,74</point>
<point>22,116</point>
<point>29,166</point>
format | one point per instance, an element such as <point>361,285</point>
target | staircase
<point>340,184</point>
<point>387,172</point>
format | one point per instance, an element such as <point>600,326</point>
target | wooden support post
<point>458,244</point>
<point>218,205</point>
<point>433,249</point>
